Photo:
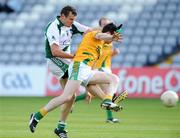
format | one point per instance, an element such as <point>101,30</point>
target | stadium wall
<point>38,81</point>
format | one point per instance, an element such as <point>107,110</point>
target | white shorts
<point>57,67</point>
<point>80,71</point>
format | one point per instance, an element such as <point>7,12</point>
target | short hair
<point>67,9</point>
<point>103,18</point>
<point>109,28</point>
<point>100,20</point>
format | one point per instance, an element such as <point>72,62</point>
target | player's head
<point>109,28</point>
<point>104,21</point>
<point>68,15</point>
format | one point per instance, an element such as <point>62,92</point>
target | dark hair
<point>109,28</point>
<point>67,9</point>
<point>100,20</point>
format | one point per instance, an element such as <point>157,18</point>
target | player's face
<point>68,21</point>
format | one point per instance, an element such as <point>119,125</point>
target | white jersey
<point>61,35</point>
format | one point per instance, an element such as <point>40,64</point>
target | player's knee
<point>69,98</point>
<point>115,79</point>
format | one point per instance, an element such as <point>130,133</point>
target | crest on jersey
<point>53,37</point>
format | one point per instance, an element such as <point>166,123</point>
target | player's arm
<point>82,29</point>
<point>104,36</point>
<point>57,52</point>
<point>107,37</point>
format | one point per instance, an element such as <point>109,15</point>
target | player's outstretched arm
<point>108,38</point>
<point>104,36</point>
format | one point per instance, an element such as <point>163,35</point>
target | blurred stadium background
<point>148,64</point>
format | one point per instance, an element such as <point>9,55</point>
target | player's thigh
<point>71,87</point>
<point>104,87</point>
<point>100,78</point>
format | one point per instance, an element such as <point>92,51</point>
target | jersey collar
<point>60,23</point>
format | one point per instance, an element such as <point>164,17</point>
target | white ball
<point>169,98</point>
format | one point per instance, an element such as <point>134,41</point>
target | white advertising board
<point>22,80</point>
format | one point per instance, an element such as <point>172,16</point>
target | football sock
<point>109,114</point>
<point>40,114</point>
<point>80,97</point>
<point>61,125</point>
<point>107,98</point>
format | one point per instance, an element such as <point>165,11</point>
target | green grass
<point>141,118</point>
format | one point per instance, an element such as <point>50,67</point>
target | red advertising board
<point>139,82</point>
<point>53,87</point>
<point>148,82</point>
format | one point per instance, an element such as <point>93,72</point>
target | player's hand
<point>117,37</point>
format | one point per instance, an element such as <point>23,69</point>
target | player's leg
<point>87,95</point>
<point>85,74</point>
<point>110,79</point>
<point>96,90</point>
<point>62,75</point>
<point>69,90</point>
<point>109,114</point>
<point>65,110</point>
<point>96,78</point>
<point>91,91</point>
<point>71,87</point>
<point>58,72</point>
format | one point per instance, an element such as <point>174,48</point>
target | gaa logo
<point>16,81</point>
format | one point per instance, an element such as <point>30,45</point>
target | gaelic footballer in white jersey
<point>58,33</point>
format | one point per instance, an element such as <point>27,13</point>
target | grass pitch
<point>141,118</point>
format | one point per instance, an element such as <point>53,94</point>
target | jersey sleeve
<point>79,28</point>
<point>52,34</point>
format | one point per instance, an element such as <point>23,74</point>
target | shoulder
<point>79,28</point>
<point>51,25</point>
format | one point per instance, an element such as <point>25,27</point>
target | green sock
<point>61,125</point>
<point>106,100</point>
<point>80,97</point>
<point>38,116</point>
<point>109,114</point>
